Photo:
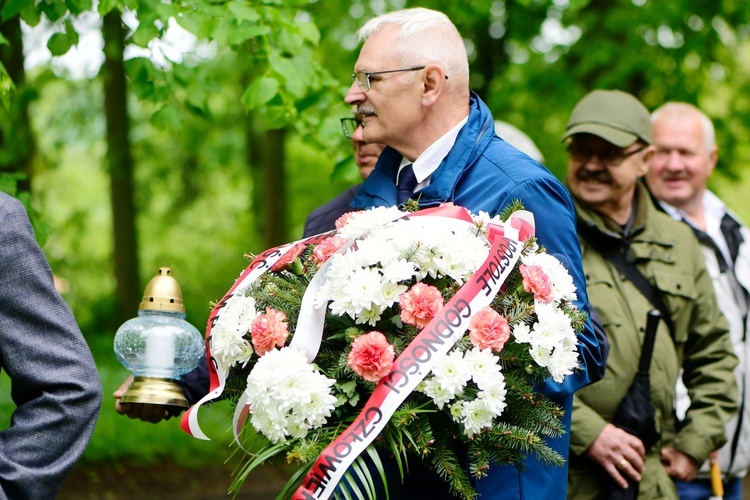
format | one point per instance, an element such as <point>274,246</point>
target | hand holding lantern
<point>159,346</point>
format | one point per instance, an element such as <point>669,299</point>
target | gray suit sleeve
<point>54,382</point>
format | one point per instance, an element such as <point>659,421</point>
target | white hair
<point>683,109</point>
<point>426,37</point>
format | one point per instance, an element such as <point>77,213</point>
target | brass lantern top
<point>162,293</point>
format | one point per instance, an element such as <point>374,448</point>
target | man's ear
<point>648,155</point>
<point>433,81</point>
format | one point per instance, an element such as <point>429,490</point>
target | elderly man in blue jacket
<point>411,86</point>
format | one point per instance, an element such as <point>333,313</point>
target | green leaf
<point>59,43</point>
<point>53,10</point>
<point>9,182</point>
<point>167,118</point>
<point>145,33</point>
<point>31,15</point>
<point>3,40</point>
<point>106,6</point>
<point>309,32</point>
<point>243,12</point>
<point>6,87</point>
<point>77,6</point>
<point>260,92</point>
<point>13,7</point>
<point>286,68</point>
<point>277,116</point>
<point>289,42</point>
<point>71,32</point>
<point>245,32</point>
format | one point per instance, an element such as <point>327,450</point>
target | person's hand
<point>679,465</point>
<point>618,453</point>
<point>146,412</point>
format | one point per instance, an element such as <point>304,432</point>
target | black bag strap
<point>641,283</point>
<point>626,268</point>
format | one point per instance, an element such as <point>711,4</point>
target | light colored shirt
<point>430,159</point>
<point>713,211</point>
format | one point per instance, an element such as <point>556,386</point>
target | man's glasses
<point>609,157</point>
<point>349,125</point>
<point>363,77</point>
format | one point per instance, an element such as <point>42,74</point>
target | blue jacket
<point>483,172</point>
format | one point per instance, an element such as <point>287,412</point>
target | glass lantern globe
<point>159,346</point>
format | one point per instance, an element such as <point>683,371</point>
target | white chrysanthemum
<point>522,333</point>
<point>362,222</point>
<point>561,281</point>
<point>287,396</point>
<point>456,410</point>
<point>482,221</point>
<point>397,270</point>
<point>229,348</point>
<point>228,344</point>
<point>493,395</point>
<point>238,313</point>
<point>391,291</point>
<point>361,290</point>
<point>554,344</point>
<point>485,370</point>
<point>553,326</point>
<point>437,392</point>
<point>273,427</point>
<point>451,371</point>
<point>370,316</point>
<point>561,362</point>
<point>475,416</point>
<point>373,250</point>
<point>460,255</point>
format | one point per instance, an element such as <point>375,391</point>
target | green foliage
<point>117,437</point>
<point>531,60</point>
<point>13,7</point>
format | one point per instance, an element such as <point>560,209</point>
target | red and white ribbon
<point>414,363</point>
<point>308,335</point>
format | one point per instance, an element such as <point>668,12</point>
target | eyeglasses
<point>609,157</point>
<point>363,77</point>
<point>349,125</point>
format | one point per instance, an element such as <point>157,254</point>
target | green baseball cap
<point>615,116</point>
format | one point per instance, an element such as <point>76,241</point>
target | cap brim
<point>617,137</point>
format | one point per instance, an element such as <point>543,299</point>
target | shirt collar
<point>430,159</point>
<point>713,211</point>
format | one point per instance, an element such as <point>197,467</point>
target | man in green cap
<point>637,259</point>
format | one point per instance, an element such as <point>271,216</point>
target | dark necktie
<point>406,184</point>
<point>730,228</point>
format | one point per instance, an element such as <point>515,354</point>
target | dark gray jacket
<point>54,382</point>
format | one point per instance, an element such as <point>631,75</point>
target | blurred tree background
<point>182,133</point>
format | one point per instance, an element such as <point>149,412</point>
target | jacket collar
<point>380,187</point>
<point>604,230</point>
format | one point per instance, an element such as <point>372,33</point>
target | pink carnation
<point>341,221</point>
<point>420,304</point>
<point>489,330</point>
<point>288,257</point>
<point>536,281</point>
<point>326,248</point>
<point>269,330</point>
<point>371,356</point>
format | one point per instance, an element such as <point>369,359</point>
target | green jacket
<point>667,253</point>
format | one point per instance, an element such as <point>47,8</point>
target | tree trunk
<point>120,169</point>
<point>274,187</point>
<point>265,156</point>
<point>17,143</point>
